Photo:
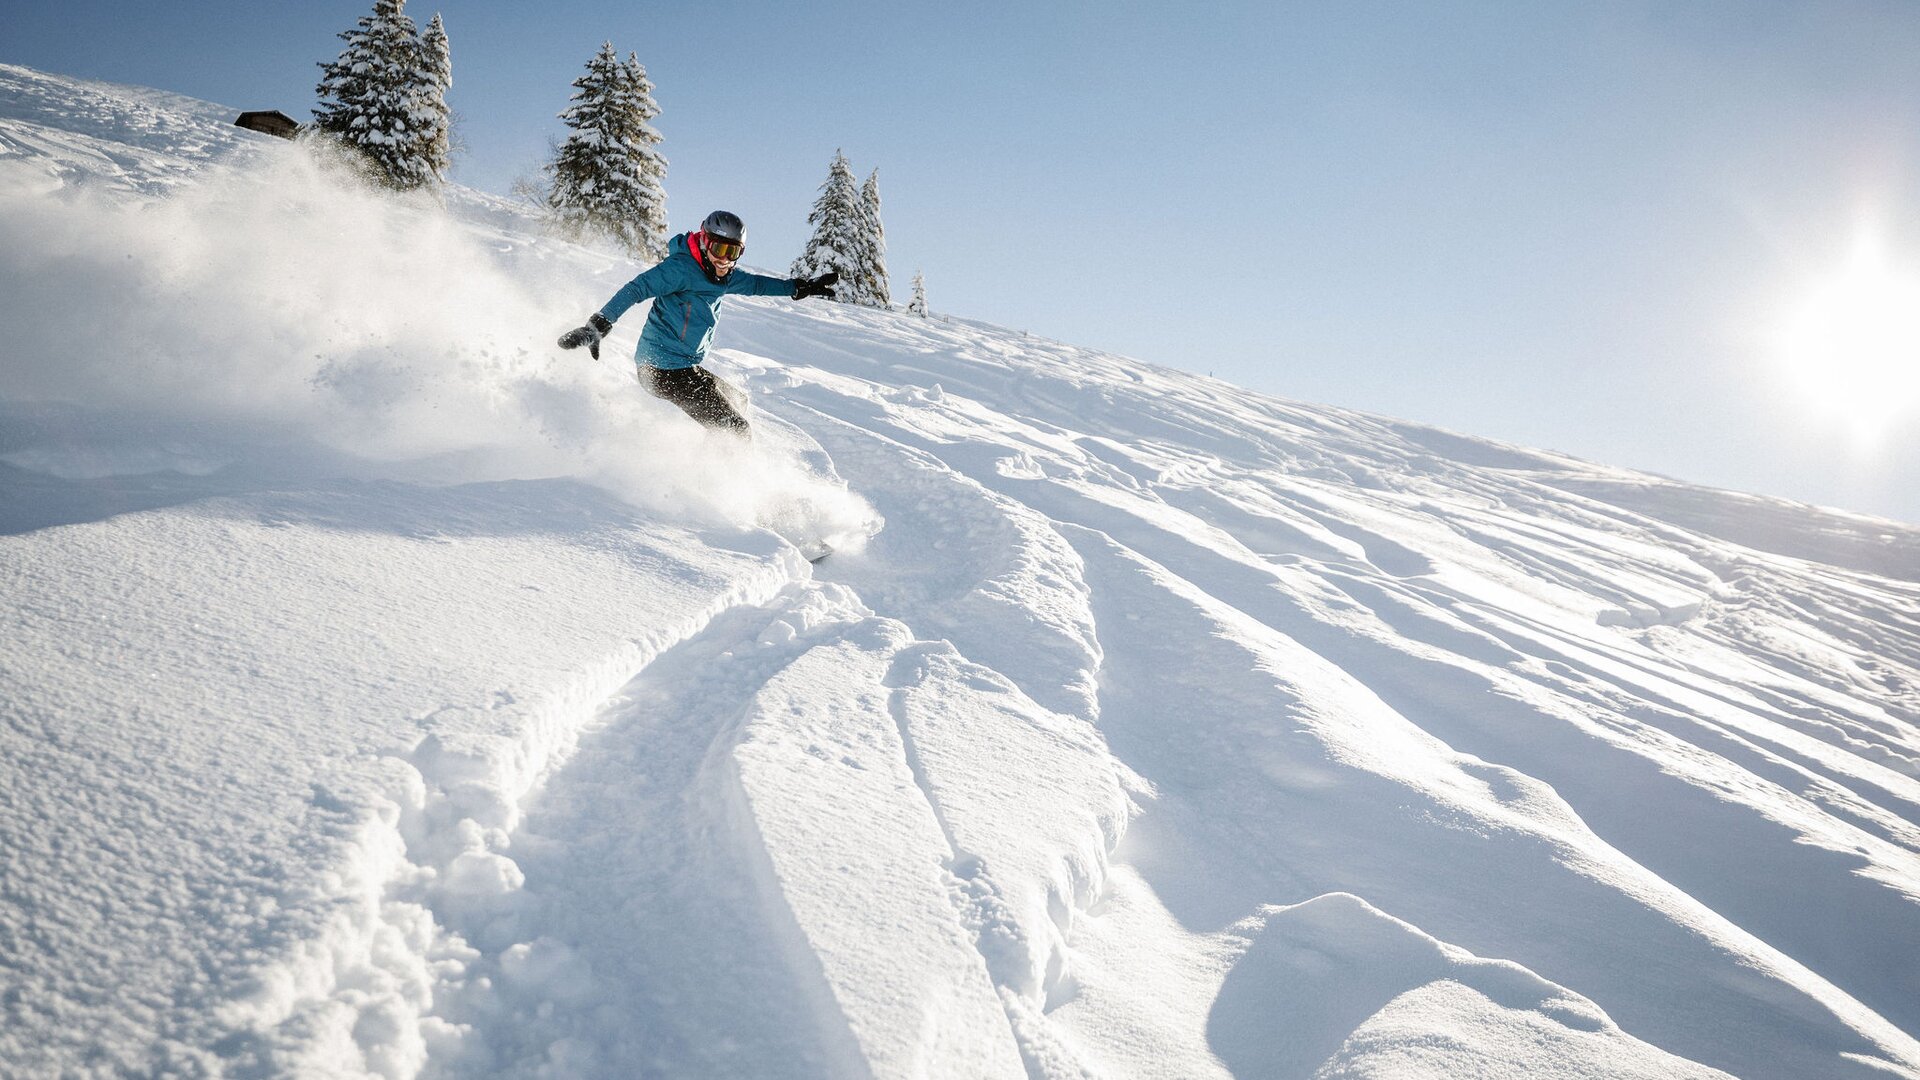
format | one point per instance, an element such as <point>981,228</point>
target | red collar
<point>693,249</point>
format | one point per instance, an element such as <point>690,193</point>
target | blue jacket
<point>686,302</point>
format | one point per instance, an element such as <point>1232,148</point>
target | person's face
<point>723,254</point>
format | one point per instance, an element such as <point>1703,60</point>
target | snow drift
<point>389,694</point>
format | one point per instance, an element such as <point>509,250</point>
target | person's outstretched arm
<point>655,282</point>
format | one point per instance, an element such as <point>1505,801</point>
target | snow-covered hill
<point>385,692</point>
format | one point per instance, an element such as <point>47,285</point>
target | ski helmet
<point>721,225</point>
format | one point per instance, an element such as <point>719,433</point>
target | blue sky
<point>1578,226</point>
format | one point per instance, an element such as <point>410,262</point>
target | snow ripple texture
<point>389,695</point>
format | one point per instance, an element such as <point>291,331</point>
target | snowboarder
<point>686,289</point>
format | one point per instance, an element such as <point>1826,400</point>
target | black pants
<point>699,395</point>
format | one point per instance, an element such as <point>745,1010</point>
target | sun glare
<point>1853,347</point>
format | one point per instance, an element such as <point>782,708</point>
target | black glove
<point>820,286</point>
<point>589,335</point>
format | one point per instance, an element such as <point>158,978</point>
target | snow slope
<point>387,693</point>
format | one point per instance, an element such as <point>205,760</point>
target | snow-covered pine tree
<point>918,305</point>
<point>607,178</point>
<point>838,236</point>
<point>878,293</point>
<point>370,97</point>
<point>435,121</point>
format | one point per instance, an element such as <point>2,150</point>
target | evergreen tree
<point>918,305</point>
<point>874,253</point>
<point>434,120</point>
<point>838,242</point>
<point>374,97</point>
<point>607,177</point>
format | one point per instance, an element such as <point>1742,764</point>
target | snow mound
<point>1364,993</point>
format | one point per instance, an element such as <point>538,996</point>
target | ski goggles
<point>722,248</point>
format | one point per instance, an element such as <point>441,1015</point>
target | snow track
<point>741,803</point>
<point>638,926</point>
<point>712,847</point>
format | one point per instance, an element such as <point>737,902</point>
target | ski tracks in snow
<point>824,830</point>
<point>638,930</point>
<point>759,837</point>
